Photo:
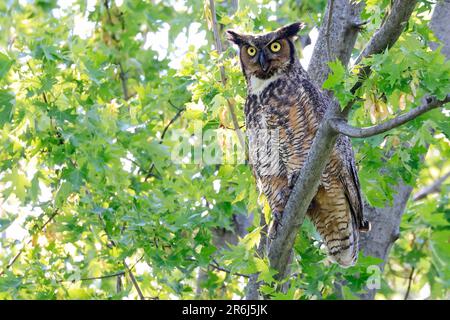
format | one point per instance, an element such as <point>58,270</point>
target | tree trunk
<point>336,39</point>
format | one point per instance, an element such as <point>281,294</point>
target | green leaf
<point>5,65</point>
<point>336,76</point>
<point>252,239</point>
<point>6,107</point>
<point>339,82</point>
<point>265,272</point>
<point>5,223</point>
<point>63,192</point>
<point>19,183</point>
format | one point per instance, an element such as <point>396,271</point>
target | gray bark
<point>440,24</point>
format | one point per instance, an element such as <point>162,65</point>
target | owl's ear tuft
<point>235,37</point>
<point>290,30</point>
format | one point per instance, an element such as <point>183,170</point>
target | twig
<point>410,279</point>
<point>117,274</point>
<point>128,270</point>
<point>216,266</point>
<point>10,264</point>
<point>133,280</point>
<point>219,49</point>
<point>121,273</point>
<point>106,4</point>
<point>175,117</point>
<point>123,80</point>
<point>340,125</point>
<point>173,106</point>
<point>432,188</point>
<point>119,284</point>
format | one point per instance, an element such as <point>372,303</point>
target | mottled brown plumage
<point>283,111</point>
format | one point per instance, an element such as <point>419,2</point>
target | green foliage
<point>91,100</point>
<point>339,82</point>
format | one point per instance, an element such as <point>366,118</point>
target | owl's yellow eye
<point>251,51</point>
<point>275,46</point>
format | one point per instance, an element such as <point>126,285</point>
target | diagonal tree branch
<point>341,125</point>
<point>410,280</point>
<point>432,188</point>
<point>117,274</point>
<point>384,38</point>
<point>391,29</point>
<point>302,194</point>
<point>133,280</point>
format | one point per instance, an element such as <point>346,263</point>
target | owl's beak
<point>263,61</point>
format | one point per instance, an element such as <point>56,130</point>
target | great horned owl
<point>283,111</point>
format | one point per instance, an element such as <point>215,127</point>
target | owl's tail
<point>334,221</point>
<point>345,250</point>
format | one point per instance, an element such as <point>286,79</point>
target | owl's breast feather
<point>256,85</point>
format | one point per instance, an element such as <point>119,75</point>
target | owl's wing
<point>350,182</point>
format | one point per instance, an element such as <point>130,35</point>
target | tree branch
<point>133,280</point>
<point>117,274</point>
<point>219,48</point>
<point>432,188</point>
<point>13,260</point>
<point>216,266</point>
<point>388,33</point>
<point>302,194</point>
<point>384,38</point>
<point>327,33</point>
<point>340,125</point>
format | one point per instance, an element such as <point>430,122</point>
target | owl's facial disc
<point>264,55</point>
